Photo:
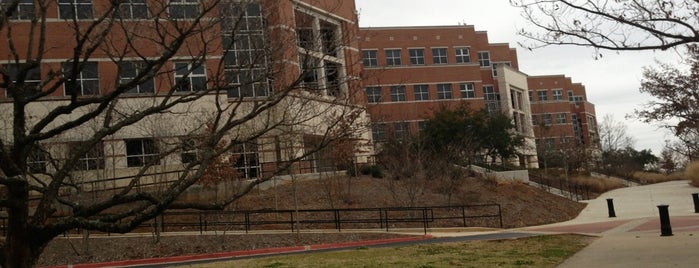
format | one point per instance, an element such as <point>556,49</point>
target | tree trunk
<point>22,245</point>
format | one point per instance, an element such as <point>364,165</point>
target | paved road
<point>632,239</point>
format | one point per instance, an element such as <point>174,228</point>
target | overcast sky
<point>612,82</point>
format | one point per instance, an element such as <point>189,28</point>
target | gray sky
<point>612,82</point>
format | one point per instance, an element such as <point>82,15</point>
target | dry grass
<point>597,185</point>
<point>691,172</point>
<point>540,251</point>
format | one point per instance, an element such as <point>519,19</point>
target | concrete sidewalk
<point>632,239</point>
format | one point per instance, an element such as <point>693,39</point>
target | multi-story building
<point>561,114</point>
<point>412,71</point>
<point>279,74</point>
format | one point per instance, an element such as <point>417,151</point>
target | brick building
<point>561,114</point>
<point>208,61</point>
<point>412,71</point>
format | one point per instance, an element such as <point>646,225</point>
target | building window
<point>571,98</point>
<point>189,153</point>
<point>561,118</point>
<point>370,59</point>
<point>183,9</point>
<point>245,54</point>
<point>75,9</point>
<point>495,65</point>
<point>484,58</point>
<point>247,160</point>
<point>373,94</point>
<point>531,96</point>
<point>190,76</point>
<point>417,56</point>
<point>378,132</point>
<point>38,160</point>
<point>32,78</point>
<point>320,53</point>
<point>467,91</point>
<point>534,120</point>
<point>85,83</point>
<point>24,10</point>
<point>397,93</point>
<point>492,99</point>
<point>546,119</point>
<point>542,95</point>
<point>401,130</point>
<point>141,152</point>
<point>393,57</point>
<point>439,55</point>
<point>462,55</point>
<point>557,94</point>
<point>128,71</point>
<point>444,91</point>
<point>92,160</point>
<point>421,125</point>
<point>133,9</point>
<point>421,92</point>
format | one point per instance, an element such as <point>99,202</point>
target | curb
<point>241,253</point>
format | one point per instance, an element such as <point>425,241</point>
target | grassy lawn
<point>540,251</point>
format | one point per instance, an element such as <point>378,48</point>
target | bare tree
<point>612,25</point>
<point>613,134</point>
<point>676,100</point>
<point>86,87</point>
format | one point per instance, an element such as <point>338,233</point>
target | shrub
<point>691,172</point>
<point>373,170</point>
<point>597,185</point>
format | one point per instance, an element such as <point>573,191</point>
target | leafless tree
<point>613,134</point>
<point>611,25</point>
<point>92,81</point>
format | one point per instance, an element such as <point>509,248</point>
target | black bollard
<point>610,207</point>
<point>695,196</point>
<point>665,228</point>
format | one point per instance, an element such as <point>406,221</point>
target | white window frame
<point>557,94</point>
<point>398,94</point>
<point>440,55</point>
<point>80,9</point>
<point>391,58</point>
<point>145,87</point>
<point>494,66</point>
<point>417,58</point>
<point>373,94</point>
<point>421,92</point>
<point>193,72</point>
<point>370,58</point>
<point>468,90</point>
<point>484,58</point>
<point>186,6</point>
<point>561,118</point>
<point>146,155</point>
<point>462,57</point>
<point>83,79</point>
<point>133,9</point>
<point>444,92</point>
<point>542,97</point>
<point>24,11</point>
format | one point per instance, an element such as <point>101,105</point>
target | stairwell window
<point>128,71</point>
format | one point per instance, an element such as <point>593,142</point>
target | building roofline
<point>417,27</point>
